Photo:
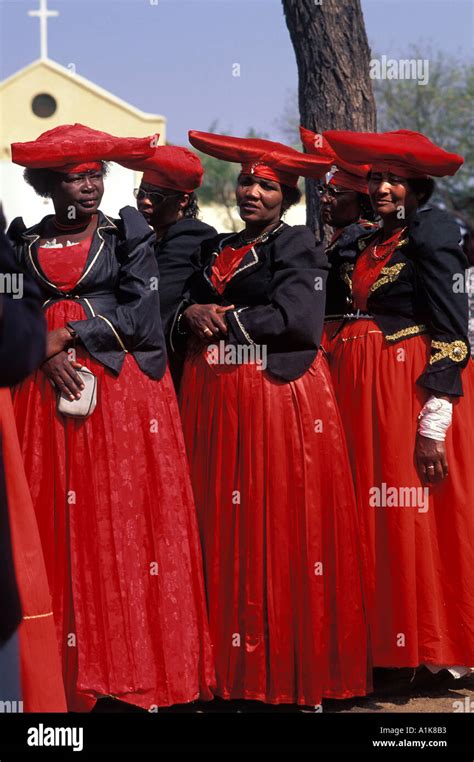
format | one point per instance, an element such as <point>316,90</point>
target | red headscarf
<point>170,167</point>
<point>346,175</point>
<point>77,148</point>
<point>264,158</point>
<point>405,153</point>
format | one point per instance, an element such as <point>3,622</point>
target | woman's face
<point>391,196</point>
<point>77,196</point>
<point>259,200</point>
<point>160,207</point>
<point>339,207</point>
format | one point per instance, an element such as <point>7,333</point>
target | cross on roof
<point>43,14</point>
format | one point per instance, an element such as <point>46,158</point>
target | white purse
<point>84,406</point>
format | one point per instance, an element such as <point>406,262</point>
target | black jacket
<point>173,254</point>
<point>421,289</point>
<point>341,257</point>
<point>118,290</point>
<point>279,293</point>
<point>22,348</point>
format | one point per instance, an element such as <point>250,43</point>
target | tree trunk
<point>333,58</point>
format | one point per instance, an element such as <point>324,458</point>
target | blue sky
<point>176,57</point>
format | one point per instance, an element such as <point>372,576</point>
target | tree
<point>333,58</point>
<point>441,110</point>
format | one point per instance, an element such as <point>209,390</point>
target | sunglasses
<point>331,191</point>
<point>155,196</point>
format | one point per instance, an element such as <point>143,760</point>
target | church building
<point>46,94</point>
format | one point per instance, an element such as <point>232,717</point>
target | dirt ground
<point>456,696</point>
<point>440,699</point>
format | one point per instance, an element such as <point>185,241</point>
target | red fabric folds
<point>348,176</point>
<point>264,158</point>
<point>403,152</point>
<point>41,679</point>
<point>74,144</point>
<point>170,167</point>
<point>278,528</point>
<point>418,563</point>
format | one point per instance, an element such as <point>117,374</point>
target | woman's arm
<point>440,267</point>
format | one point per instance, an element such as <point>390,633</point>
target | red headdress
<point>405,153</point>
<point>77,148</point>
<point>170,167</point>
<point>264,158</point>
<point>346,175</point>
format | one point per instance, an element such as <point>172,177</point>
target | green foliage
<point>441,110</point>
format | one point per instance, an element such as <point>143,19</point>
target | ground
<point>440,699</point>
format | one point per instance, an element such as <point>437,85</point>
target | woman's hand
<point>56,341</point>
<point>207,320</point>
<point>430,456</point>
<point>60,370</point>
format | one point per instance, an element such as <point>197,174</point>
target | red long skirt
<point>117,521</point>
<point>418,540</point>
<point>42,686</point>
<point>277,518</point>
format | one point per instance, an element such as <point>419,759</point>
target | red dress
<point>42,687</point>
<point>276,511</point>
<point>117,522</point>
<point>417,540</point>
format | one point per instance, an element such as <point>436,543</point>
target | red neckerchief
<point>226,264</point>
<point>367,268</point>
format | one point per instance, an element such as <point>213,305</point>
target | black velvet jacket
<point>421,289</point>
<point>279,293</point>
<point>118,291</point>
<point>341,258</point>
<point>173,254</point>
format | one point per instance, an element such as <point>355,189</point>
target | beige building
<point>44,95</point>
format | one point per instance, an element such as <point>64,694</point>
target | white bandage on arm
<point>435,418</point>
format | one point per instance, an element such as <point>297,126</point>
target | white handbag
<point>85,405</point>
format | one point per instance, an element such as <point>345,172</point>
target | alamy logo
<point>46,736</point>
<point>464,706</point>
<point>12,283</point>
<point>11,707</point>
<point>237,354</point>
<point>399,497</point>
<point>392,68</point>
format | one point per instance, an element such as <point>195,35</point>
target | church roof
<point>79,81</point>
